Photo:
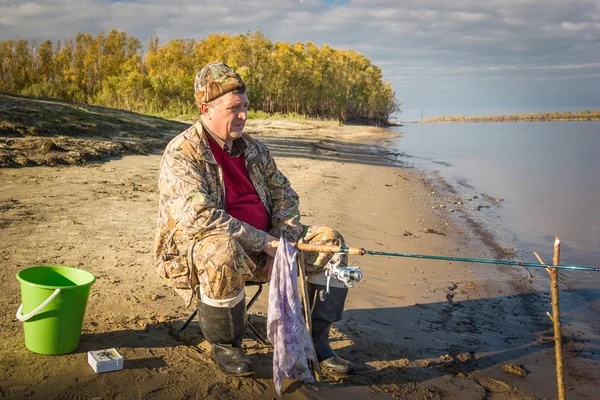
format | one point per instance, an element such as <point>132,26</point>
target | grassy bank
<point>50,132</point>
<point>587,115</point>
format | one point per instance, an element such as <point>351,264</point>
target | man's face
<point>228,117</point>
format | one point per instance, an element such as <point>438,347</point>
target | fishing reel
<point>347,275</point>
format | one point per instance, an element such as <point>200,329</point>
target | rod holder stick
<point>554,290</point>
<point>306,305</point>
<point>555,318</point>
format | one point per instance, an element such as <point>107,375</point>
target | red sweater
<point>241,200</point>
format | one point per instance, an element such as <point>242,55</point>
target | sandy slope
<point>418,328</point>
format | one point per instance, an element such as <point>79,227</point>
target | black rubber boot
<point>224,328</point>
<point>327,311</point>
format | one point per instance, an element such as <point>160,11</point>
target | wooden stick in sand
<point>555,317</point>
<point>306,304</point>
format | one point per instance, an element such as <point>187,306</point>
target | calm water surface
<point>548,175</point>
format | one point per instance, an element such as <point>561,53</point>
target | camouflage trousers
<point>222,266</point>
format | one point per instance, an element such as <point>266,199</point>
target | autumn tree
<point>112,70</point>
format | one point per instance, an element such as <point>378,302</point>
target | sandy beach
<point>417,329</point>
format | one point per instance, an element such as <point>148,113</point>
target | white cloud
<point>470,16</point>
<point>574,27</point>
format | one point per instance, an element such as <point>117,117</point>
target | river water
<point>547,175</point>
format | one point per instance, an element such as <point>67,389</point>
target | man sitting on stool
<point>222,199</point>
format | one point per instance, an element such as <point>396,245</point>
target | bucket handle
<point>24,318</point>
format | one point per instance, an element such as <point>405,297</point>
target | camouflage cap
<point>215,80</point>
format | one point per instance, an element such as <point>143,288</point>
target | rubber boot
<point>327,310</point>
<point>224,328</point>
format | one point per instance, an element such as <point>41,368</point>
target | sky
<point>443,57</point>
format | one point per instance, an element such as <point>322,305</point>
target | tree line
<point>585,115</point>
<point>114,70</point>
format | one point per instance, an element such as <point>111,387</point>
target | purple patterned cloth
<point>286,328</point>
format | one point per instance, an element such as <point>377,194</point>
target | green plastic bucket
<point>54,300</point>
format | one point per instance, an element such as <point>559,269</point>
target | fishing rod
<point>359,251</point>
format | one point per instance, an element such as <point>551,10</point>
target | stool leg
<point>189,321</point>
<point>257,334</point>
<point>255,297</point>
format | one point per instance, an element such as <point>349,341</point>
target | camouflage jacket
<point>192,203</point>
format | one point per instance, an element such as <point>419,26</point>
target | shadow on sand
<point>397,345</point>
<point>333,150</point>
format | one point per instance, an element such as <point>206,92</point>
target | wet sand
<point>416,328</point>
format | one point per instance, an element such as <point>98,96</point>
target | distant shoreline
<point>587,115</point>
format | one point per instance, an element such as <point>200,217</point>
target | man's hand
<point>269,250</point>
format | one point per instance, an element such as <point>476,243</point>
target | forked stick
<point>555,317</point>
